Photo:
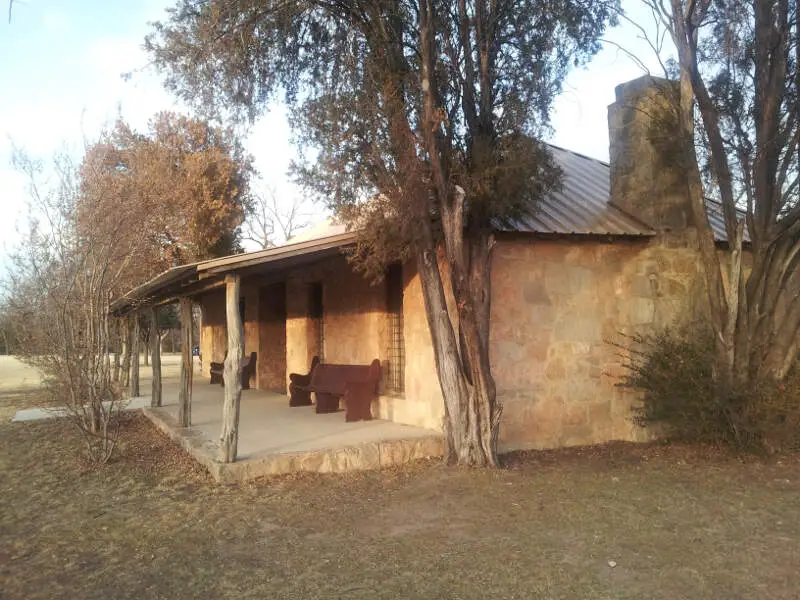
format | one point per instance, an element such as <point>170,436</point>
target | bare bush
<point>58,293</point>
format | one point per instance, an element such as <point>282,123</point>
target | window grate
<point>396,350</point>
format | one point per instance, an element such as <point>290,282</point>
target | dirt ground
<point>617,521</point>
<point>20,383</point>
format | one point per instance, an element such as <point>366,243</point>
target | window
<point>396,351</point>
<point>317,315</point>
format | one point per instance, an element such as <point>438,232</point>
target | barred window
<point>396,351</point>
<point>317,315</point>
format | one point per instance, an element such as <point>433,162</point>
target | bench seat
<point>355,384</point>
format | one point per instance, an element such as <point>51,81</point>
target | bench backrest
<point>249,360</point>
<point>336,377</point>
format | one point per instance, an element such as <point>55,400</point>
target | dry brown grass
<point>679,522</point>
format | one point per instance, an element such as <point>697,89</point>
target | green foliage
<point>352,72</point>
<point>674,370</point>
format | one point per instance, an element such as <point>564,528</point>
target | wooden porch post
<point>187,365</point>
<point>135,355</point>
<point>125,334</point>
<point>155,353</point>
<point>229,436</point>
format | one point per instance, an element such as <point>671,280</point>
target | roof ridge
<point>578,154</point>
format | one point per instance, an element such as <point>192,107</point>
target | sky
<point>61,83</point>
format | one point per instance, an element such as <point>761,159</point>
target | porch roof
<point>196,278</point>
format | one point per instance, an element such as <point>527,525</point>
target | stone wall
<point>421,403</point>
<point>558,308</point>
<point>354,317</point>
<point>213,332</point>
<point>271,367</point>
<point>646,177</point>
<point>213,327</point>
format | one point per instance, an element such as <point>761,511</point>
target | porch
<point>276,439</point>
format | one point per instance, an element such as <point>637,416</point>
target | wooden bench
<point>298,384</point>
<point>247,369</point>
<point>356,384</point>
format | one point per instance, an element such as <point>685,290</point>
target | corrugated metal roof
<point>250,259</point>
<point>583,204</point>
<point>582,207</point>
<point>717,221</point>
<point>158,283</point>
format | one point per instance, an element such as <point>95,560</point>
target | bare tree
<point>269,223</point>
<point>738,64</point>
<point>59,291</point>
<point>432,109</point>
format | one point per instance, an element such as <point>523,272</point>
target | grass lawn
<point>677,522</point>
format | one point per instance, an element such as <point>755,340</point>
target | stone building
<point>610,254</point>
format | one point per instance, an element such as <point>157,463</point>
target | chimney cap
<point>640,85</point>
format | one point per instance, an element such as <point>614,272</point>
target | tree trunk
<point>187,371</point>
<point>146,346</point>
<point>125,335</point>
<point>117,365</point>
<point>471,410</point>
<point>470,274</point>
<point>155,349</point>
<point>135,357</point>
<point>229,436</point>
<point>471,413</point>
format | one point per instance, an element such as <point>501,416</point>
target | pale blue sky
<point>60,83</point>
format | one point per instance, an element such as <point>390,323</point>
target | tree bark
<point>474,406</point>
<point>117,363</point>
<point>229,436</point>
<point>125,375</point>
<point>471,282</point>
<point>146,346</point>
<point>155,350</point>
<point>187,371</point>
<point>135,356</point>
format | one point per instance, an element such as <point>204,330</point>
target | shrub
<point>682,401</point>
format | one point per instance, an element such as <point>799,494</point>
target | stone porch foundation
<point>365,456</point>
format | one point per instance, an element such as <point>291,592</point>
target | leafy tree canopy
<point>183,185</point>
<point>429,109</point>
<point>351,66</point>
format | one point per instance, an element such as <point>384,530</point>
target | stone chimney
<point>647,180</point>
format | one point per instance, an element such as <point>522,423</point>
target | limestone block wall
<point>213,327</point>
<point>271,367</point>
<point>213,340</point>
<point>249,293</point>
<point>557,307</point>
<point>421,405</point>
<point>301,337</point>
<point>354,317</point>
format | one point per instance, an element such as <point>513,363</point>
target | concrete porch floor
<point>276,439</point>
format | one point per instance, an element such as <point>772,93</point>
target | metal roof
<point>716,219</point>
<point>156,285</point>
<point>279,253</point>
<point>182,279</point>
<point>582,206</point>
